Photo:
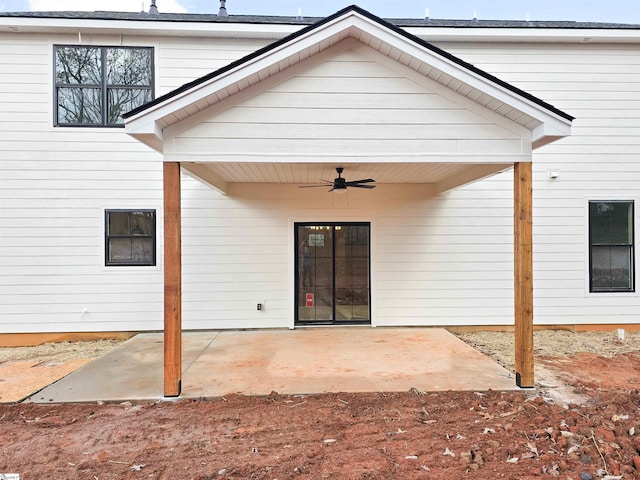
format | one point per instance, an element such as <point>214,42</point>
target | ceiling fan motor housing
<point>340,184</point>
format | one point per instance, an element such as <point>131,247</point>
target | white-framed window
<point>95,86</point>
<point>130,237</point>
<point>611,246</point>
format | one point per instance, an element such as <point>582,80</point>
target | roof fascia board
<point>162,29</point>
<point>524,35</point>
<point>271,31</point>
<point>355,158</point>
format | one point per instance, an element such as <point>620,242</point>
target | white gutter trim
<point>146,27</point>
<point>526,34</point>
<point>272,31</point>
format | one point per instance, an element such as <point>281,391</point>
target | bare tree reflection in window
<point>97,85</point>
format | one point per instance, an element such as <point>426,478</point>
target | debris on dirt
<point>552,343</point>
<point>416,434</point>
<point>59,351</point>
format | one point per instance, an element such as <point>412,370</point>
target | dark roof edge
<point>232,65</point>
<point>328,19</point>
<point>466,65</point>
<point>292,20</point>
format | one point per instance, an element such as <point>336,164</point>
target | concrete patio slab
<point>304,361</point>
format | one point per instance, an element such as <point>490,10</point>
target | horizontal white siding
<point>181,60</point>
<point>435,261</point>
<point>347,106</point>
<point>238,251</point>
<point>599,85</point>
<point>55,184</point>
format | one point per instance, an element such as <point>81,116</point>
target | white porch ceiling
<point>440,177</point>
<point>303,174</point>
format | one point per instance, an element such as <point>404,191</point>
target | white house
<point>151,165</point>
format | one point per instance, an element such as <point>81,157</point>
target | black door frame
<point>296,268</point>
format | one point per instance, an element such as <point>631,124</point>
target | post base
<point>519,382</point>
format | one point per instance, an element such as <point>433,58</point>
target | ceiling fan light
<point>339,189</point>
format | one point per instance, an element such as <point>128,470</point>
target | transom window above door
<point>95,86</point>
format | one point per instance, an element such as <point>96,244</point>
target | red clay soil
<point>448,435</point>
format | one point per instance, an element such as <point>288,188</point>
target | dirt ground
<point>26,370</point>
<point>445,435</point>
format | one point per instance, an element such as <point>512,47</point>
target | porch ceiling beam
<point>172,281</point>
<point>468,175</point>
<point>523,274</point>
<point>204,174</point>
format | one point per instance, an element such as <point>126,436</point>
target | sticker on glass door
<point>332,273</point>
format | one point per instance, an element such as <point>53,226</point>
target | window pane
<point>79,106</point>
<point>361,272</point>
<point>78,66</point>
<point>344,272</point>
<point>119,250</point>
<point>141,223</point>
<point>123,100</point>
<point>611,268</point>
<point>142,250</point>
<point>130,237</point>
<point>118,223</point>
<point>323,272</point>
<point>611,222</point>
<point>121,77</point>
<point>129,66</point>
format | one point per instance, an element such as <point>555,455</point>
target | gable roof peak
<point>371,31</point>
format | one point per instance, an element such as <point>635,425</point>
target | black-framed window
<point>130,237</point>
<point>95,86</point>
<point>611,246</point>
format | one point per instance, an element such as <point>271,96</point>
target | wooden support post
<point>523,269</point>
<point>172,281</point>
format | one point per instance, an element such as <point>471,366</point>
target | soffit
<point>436,178</point>
<point>298,173</point>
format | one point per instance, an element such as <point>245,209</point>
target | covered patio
<point>299,362</point>
<point>446,125</point>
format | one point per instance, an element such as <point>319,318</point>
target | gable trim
<point>353,8</point>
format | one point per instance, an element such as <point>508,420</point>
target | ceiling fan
<point>340,185</point>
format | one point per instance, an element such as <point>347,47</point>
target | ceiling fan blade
<point>326,184</point>
<point>341,184</point>
<point>366,180</point>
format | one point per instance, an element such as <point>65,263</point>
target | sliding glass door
<point>332,273</point>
